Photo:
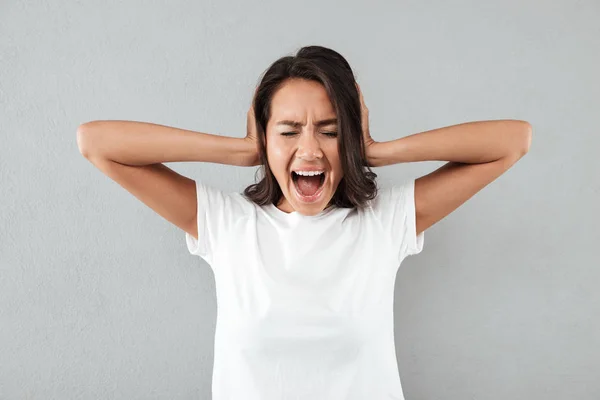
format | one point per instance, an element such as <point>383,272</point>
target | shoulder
<point>222,203</point>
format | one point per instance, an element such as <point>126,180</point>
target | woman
<point>305,260</point>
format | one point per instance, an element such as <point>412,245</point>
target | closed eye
<point>330,134</point>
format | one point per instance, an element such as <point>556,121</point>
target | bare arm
<point>478,152</point>
<point>143,143</point>
<point>131,154</point>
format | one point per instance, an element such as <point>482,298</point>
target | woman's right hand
<point>252,137</point>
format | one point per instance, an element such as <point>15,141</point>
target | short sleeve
<point>212,220</point>
<point>395,208</point>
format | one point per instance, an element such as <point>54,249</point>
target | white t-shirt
<point>305,303</point>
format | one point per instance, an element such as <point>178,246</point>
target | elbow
<point>525,133</point>
<point>83,138</point>
<point>528,134</point>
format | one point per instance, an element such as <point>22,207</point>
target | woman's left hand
<point>367,139</point>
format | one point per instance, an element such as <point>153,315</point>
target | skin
<point>308,145</point>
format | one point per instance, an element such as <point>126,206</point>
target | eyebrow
<point>297,124</point>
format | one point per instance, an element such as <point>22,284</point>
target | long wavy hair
<point>330,69</point>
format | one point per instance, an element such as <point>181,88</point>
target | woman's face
<point>309,144</point>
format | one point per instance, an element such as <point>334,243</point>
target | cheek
<point>334,160</point>
<point>278,161</point>
<point>274,148</point>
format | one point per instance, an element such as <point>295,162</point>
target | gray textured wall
<point>99,297</point>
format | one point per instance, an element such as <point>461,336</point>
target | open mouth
<point>308,187</point>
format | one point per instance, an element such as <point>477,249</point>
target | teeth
<point>309,173</point>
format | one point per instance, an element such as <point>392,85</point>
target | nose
<point>309,147</point>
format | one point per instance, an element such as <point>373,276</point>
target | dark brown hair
<point>329,68</point>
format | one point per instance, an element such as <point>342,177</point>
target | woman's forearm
<point>469,142</point>
<point>144,143</point>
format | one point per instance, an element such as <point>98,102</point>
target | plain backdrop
<point>99,297</point>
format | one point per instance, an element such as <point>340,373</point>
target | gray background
<point>99,297</point>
